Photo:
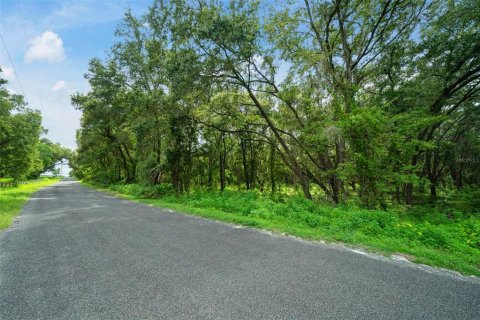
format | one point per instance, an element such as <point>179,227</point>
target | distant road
<point>76,253</point>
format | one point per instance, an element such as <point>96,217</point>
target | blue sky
<point>51,43</point>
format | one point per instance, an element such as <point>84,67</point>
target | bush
<point>468,232</point>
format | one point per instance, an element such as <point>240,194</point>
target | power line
<point>13,67</point>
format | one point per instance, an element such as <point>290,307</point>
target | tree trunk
<point>305,184</point>
<point>456,174</point>
<point>128,177</point>
<point>222,165</point>
<point>176,176</point>
<point>243,146</point>
<point>188,166</point>
<point>252,165</point>
<point>335,185</point>
<point>222,173</point>
<point>272,168</point>
<point>433,190</point>
<point>409,193</point>
<point>210,172</point>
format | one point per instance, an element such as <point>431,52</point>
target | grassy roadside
<point>12,199</point>
<point>448,239</point>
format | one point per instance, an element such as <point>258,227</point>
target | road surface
<point>75,253</point>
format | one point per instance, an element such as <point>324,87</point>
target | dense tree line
<point>24,154</point>
<point>372,100</point>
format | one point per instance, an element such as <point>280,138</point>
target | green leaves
<point>343,99</point>
<point>20,130</point>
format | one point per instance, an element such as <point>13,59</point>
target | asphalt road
<point>75,253</point>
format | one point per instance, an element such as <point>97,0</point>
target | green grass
<point>433,235</point>
<point>12,199</point>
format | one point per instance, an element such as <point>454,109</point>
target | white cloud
<point>59,85</point>
<point>7,73</point>
<point>48,47</point>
